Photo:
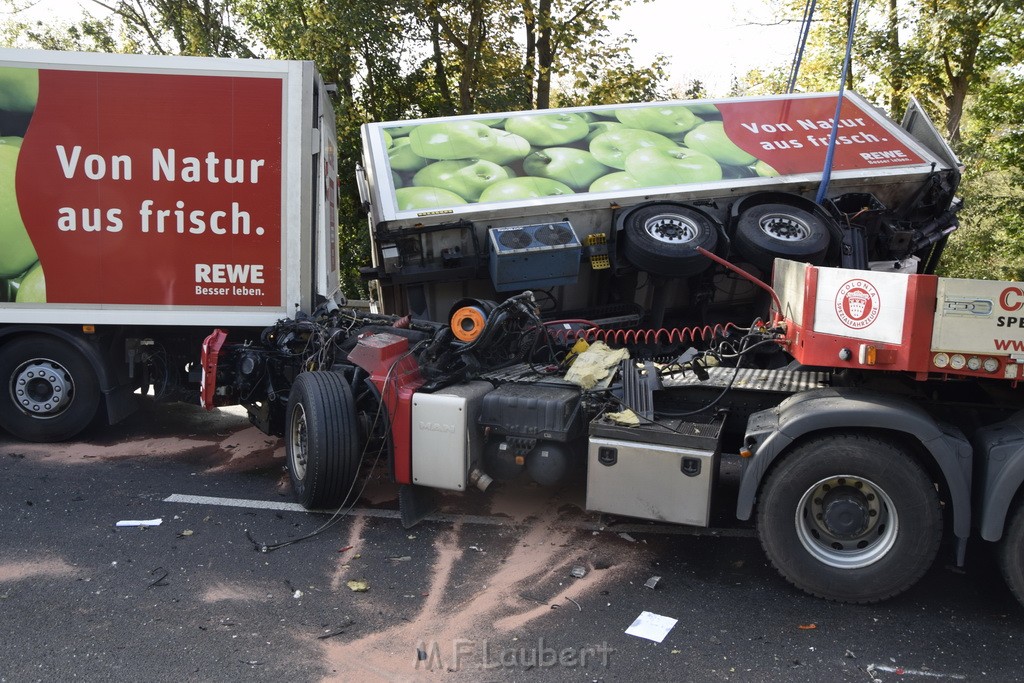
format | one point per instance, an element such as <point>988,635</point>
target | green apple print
<point>19,89</point>
<point>710,138</point>
<point>425,198</point>
<point>452,139</point>
<point>33,287</point>
<point>16,250</point>
<point>574,167</point>
<point>465,177</point>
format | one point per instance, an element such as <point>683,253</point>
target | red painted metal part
<point>211,352</point>
<point>396,374</point>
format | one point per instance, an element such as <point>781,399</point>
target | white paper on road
<point>140,522</point>
<point>651,626</point>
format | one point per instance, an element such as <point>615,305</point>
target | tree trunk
<point>545,55</point>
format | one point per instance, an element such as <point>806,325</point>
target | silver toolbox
<point>653,473</point>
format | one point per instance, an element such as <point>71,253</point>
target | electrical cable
<point>342,512</point>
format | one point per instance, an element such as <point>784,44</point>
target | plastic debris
<point>140,522</point>
<point>185,533</point>
<point>652,582</point>
<point>476,548</point>
<point>626,418</point>
<point>595,365</point>
<point>807,627</point>
<point>578,572</point>
<point>651,626</point>
<point>580,608</point>
<point>403,558</point>
<point>297,594</point>
<point>358,586</point>
<point>627,537</point>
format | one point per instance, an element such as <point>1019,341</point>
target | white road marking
<point>655,529</point>
<point>914,672</point>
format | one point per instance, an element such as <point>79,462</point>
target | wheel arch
<point>940,448</point>
<point>1000,448</point>
<point>112,401</point>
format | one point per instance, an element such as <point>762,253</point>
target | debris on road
<point>578,572</point>
<point>140,522</point>
<point>651,626</point>
<point>652,582</point>
<point>358,586</point>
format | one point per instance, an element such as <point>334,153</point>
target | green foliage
<point>963,60</point>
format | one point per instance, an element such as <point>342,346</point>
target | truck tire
<point>850,518</point>
<point>50,390</point>
<point>1011,553</point>
<point>662,239</point>
<point>769,231</point>
<point>321,440</point>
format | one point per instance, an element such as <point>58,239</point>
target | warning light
<point>868,355</point>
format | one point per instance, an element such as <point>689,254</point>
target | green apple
<point>456,139</point>
<point>416,198</point>
<point>16,250</point>
<point>508,147</point>
<point>402,158</point>
<point>510,172</point>
<point>526,187</point>
<point>12,140</point>
<point>612,148</point>
<point>401,131</point>
<point>574,167</point>
<point>465,177</point>
<point>396,180</point>
<point>764,170</point>
<point>598,127</point>
<point>706,110</point>
<point>33,286</point>
<point>662,118</point>
<point>710,138</point>
<point>549,130</point>
<point>618,181</point>
<point>19,89</point>
<point>606,113</point>
<point>653,167</point>
<point>492,123</point>
<point>388,140</point>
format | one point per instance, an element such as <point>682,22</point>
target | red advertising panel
<point>151,189</point>
<point>792,135</point>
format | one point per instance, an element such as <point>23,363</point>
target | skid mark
<point>519,589</point>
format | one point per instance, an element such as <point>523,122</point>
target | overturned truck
<point>642,292</point>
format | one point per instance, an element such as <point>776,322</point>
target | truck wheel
<point>321,439</point>
<point>850,518</point>
<point>50,391</point>
<point>662,239</point>
<point>770,231</point>
<point>1011,553</point>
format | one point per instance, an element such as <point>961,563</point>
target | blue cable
<point>827,172</point>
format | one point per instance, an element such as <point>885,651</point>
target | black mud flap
<point>415,503</point>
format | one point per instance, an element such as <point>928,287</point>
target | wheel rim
<point>784,227</point>
<point>42,387</point>
<point>672,228</point>
<point>846,522</point>
<point>298,442</point>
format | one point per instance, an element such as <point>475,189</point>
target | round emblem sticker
<point>857,304</point>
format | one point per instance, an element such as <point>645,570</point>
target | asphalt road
<point>485,592</point>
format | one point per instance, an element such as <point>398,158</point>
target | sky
<point>712,41</point>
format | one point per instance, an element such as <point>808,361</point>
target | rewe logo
<point>857,304</point>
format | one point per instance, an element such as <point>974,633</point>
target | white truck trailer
<point>144,200</point>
